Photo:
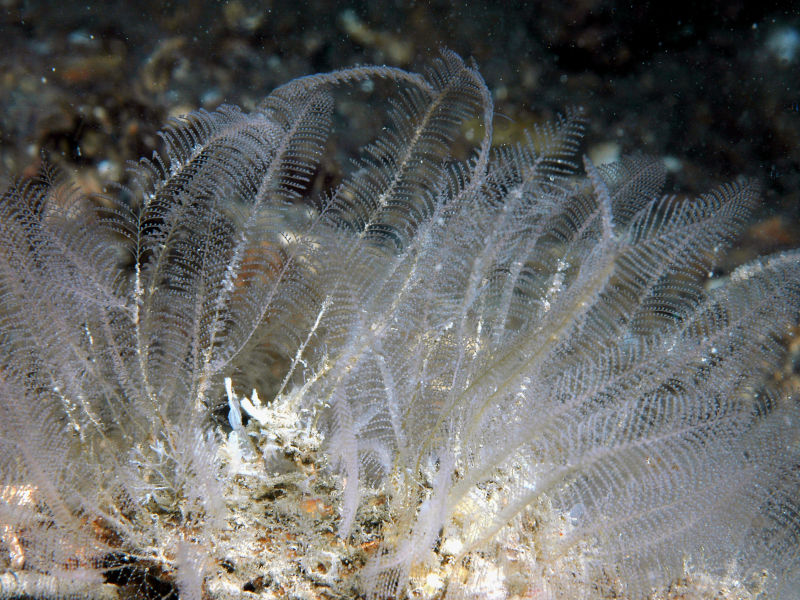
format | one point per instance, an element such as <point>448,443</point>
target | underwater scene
<point>400,300</point>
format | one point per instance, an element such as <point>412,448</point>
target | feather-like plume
<point>484,374</point>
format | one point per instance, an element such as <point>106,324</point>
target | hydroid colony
<point>480,377</point>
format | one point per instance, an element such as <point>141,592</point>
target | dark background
<point>714,87</point>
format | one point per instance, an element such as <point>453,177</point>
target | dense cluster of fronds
<point>523,372</point>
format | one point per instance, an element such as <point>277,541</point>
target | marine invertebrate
<point>483,377</point>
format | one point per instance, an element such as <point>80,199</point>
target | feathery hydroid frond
<point>484,374</point>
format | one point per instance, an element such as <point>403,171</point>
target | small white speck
<point>452,547</point>
<point>783,44</point>
<point>672,164</point>
<point>105,167</point>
